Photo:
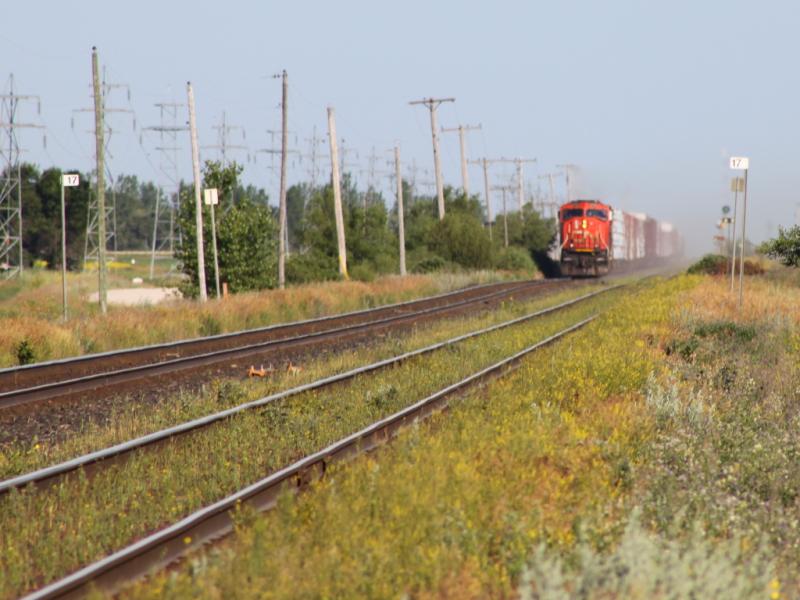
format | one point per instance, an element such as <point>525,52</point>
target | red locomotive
<point>586,237</point>
<point>593,236</point>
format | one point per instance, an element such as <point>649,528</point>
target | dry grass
<point>32,312</point>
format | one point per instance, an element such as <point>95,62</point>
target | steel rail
<point>48,391</point>
<point>93,459</point>
<point>214,521</point>
<point>233,334</point>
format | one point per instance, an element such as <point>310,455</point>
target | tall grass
<point>48,532</point>
<point>33,313</point>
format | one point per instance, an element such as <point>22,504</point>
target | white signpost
<point>211,198</point>
<point>742,163</point>
<point>67,180</point>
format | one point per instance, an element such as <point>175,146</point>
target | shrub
<point>785,247</point>
<point>461,238</point>
<point>311,266</point>
<point>25,352</point>
<point>362,272</point>
<point>429,265</point>
<point>514,258</point>
<point>710,264</point>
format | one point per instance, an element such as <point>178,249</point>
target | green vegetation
<point>785,247</point>
<point>710,264</point>
<point>607,466</point>
<point>152,488</point>
<point>457,507</point>
<point>246,236</point>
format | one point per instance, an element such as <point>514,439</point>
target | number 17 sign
<point>740,163</point>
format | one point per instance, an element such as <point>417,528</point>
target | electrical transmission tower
<point>313,156</point>
<point>224,145</point>
<point>165,228</point>
<point>11,181</point>
<point>92,242</point>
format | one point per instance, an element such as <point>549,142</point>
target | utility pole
<point>485,162</point>
<point>11,182</point>
<point>283,232</point>
<point>520,181</point>
<point>461,129</point>
<point>337,194</point>
<point>401,231</point>
<point>168,130</point>
<point>101,185</point>
<point>504,189</point>
<point>93,241</point>
<point>551,192</point>
<point>568,181</point>
<point>198,205</point>
<point>432,104</point>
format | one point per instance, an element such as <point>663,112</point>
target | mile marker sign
<point>70,180</point>
<point>740,163</point>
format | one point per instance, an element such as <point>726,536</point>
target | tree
<point>462,239</point>
<point>785,247</point>
<point>246,235</point>
<point>41,231</point>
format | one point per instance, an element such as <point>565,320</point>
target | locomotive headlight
<point>583,224</point>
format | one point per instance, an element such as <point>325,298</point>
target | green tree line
<point>247,229</point>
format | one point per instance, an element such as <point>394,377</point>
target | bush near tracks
<point>49,532</point>
<point>716,264</point>
<point>457,508</point>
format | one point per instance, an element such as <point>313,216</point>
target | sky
<point>647,99</point>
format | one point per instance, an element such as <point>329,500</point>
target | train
<point>593,237</point>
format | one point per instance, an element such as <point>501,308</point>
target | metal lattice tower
<point>91,245</point>
<point>11,182</point>
<point>165,228</point>
<point>224,145</point>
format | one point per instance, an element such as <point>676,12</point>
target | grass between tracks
<point>32,330</point>
<point>49,533</point>
<point>653,454</point>
<point>132,419</point>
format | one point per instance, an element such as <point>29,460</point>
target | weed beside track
<point>79,521</point>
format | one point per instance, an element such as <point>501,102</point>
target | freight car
<point>593,237</point>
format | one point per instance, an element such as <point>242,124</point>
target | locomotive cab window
<point>571,213</point>
<point>597,213</point>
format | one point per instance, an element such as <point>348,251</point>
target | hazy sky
<point>647,98</point>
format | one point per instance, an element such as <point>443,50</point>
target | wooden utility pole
<point>101,185</point>
<point>198,205</point>
<point>432,104</point>
<point>401,231</point>
<point>485,162</point>
<point>520,182</point>
<point>461,129</point>
<point>283,232</point>
<point>504,189</point>
<point>337,194</point>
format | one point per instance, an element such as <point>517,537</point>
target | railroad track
<point>215,521</point>
<point>101,459</point>
<point>135,369</point>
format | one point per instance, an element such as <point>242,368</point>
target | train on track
<point>593,237</point>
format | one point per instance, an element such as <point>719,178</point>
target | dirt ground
<point>138,296</point>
